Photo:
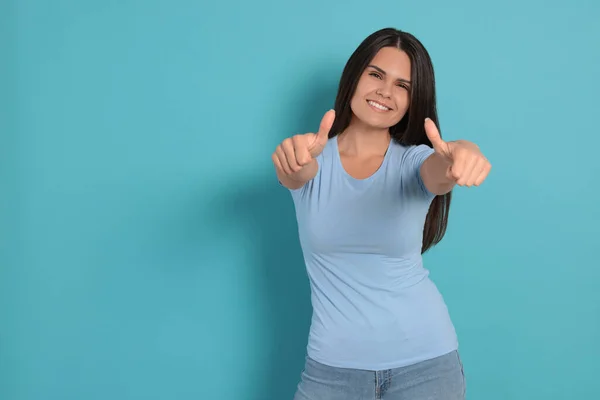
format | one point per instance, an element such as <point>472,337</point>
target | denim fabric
<point>441,378</point>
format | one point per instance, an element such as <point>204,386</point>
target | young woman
<point>372,191</point>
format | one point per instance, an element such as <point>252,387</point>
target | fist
<point>467,166</point>
<point>296,152</point>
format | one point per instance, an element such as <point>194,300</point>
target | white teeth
<point>379,106</point>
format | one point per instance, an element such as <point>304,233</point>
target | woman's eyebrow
<point>385,73</point>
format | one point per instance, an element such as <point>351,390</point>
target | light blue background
<point>147,251</point>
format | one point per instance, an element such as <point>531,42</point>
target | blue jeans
<point>441,378</point>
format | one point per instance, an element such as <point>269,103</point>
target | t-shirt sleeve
<point>413,159</point>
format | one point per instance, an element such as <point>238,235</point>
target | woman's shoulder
<point>410,154</point>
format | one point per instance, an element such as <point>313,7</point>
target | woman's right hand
<point>298,151</point>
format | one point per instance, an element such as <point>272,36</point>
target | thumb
<point>325,127</point>
<point>433,134</point>
<point>320,139</point>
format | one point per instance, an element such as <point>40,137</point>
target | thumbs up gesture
<point>467,166</point>
<point>298,151</point>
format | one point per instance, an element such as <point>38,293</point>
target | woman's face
<point>382,95</point>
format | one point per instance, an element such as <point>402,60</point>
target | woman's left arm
<point>453,163</point>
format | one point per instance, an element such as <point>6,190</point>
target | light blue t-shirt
<point>374,306</point>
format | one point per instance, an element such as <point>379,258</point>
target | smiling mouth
<point>378,106</point>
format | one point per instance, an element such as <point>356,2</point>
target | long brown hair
<point>410,130</point>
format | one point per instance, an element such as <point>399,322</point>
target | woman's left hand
<point>467,166</point>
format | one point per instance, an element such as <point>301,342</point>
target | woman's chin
<point>375,122</point>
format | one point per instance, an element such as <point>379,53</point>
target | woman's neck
<point>361,140</point>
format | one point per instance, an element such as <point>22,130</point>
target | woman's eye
<point>375,74</point>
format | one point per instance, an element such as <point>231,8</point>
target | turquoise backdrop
<point>147,251</point>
